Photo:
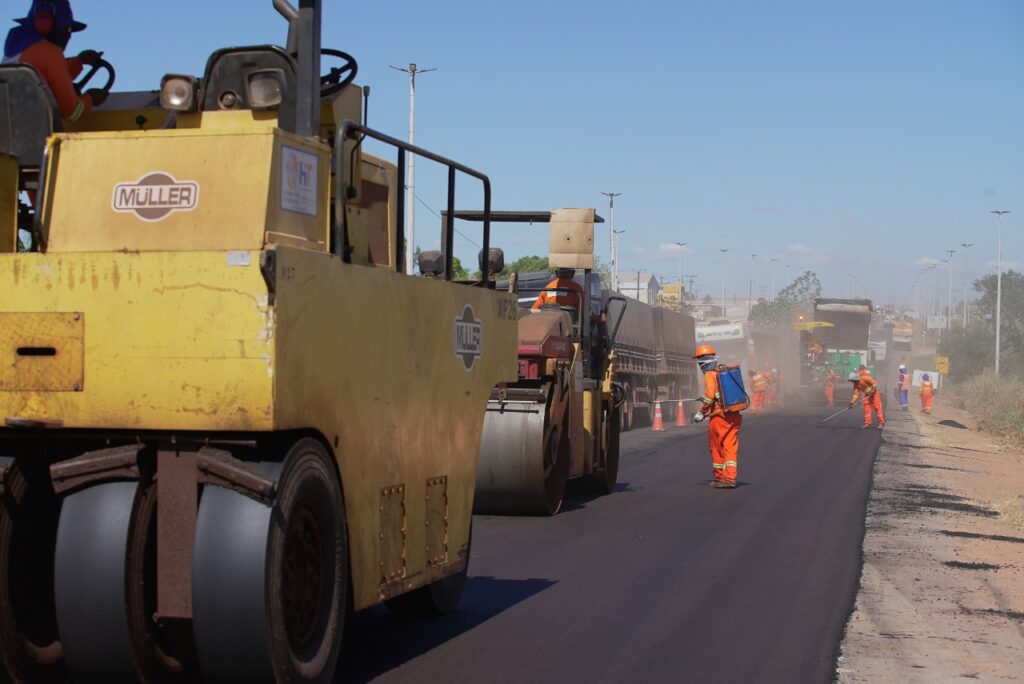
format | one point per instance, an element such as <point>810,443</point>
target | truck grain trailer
<point>847,340</point>
<point>229,413</point>
<point>559,420</point>
<point>653,360</point>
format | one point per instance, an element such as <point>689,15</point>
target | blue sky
<point>861,138</point>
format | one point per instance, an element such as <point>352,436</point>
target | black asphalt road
<point>667,580</point>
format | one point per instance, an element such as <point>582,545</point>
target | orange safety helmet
<point>704,350</point>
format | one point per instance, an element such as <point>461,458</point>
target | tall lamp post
<point>949,293</point>
<point>750,293</point>
<point>410,174</point>
<point>966,246</point>
<point>615,271</point>
<point>999,277</point>
<point>680,245</point>
<point>723,251</point>
<point>611,236</point>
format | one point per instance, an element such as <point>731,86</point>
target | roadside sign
<point>936,322</point>
<point>942,364</point>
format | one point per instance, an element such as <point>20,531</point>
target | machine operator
<point>40,40</point>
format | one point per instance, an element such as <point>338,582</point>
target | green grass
<point>997,403</point>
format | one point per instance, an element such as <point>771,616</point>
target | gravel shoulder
<point>941,592</point>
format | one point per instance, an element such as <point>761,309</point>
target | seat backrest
<point>227,79</point>
<point>28,114</point>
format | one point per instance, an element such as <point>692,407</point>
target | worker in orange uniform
<point>555,291</point>
<point>759,389</point>
<point>927,391</point>
<point>830,385</point>
<point>864,384</point>
<point>723,426</point>
<point>40,40</point>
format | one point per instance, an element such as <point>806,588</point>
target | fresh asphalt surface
<point>667,579</point>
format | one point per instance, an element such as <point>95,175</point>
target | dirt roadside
<point>941,595</point>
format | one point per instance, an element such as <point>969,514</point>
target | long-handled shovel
<point>838,413</point>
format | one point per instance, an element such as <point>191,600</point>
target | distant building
<point>640,286</point>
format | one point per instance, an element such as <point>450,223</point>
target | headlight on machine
<point>266,88</point>
<point>179,93</point>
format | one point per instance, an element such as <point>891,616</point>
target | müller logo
<point>154,196</point>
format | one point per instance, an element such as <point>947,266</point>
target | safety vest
<point>760,382</point>
<point>905,381</point>
<point>926,388</point>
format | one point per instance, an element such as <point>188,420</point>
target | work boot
<point>865,427</point>
<point>727,485</point>
<point>881,425</point>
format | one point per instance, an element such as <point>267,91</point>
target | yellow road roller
<point>229,414</point>
<point>559,420</point>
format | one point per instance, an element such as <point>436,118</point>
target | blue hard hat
<point>63,17</point>
<point>925,377</point>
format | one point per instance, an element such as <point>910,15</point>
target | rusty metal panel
<point>8,203</point>
<point>176,505</point>
<point>437,521</point>
<point>42,351</point>
<point>375,201</point>
<point>392,533</point>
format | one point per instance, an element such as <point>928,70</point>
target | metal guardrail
<point>350,130</point>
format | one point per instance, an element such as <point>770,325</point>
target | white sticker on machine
<point>299,172</point>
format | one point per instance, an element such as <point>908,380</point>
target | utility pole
<point>999,278</point>
<point>680,245</point>
<point>949,294</point>
<point>966,246</point>
<point>693,293</point>
<point>611,237</point>
<point>410,174</point>
<point>723,251</point>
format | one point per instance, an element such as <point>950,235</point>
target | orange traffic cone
<point>680,415</point>
<point>659,423</point>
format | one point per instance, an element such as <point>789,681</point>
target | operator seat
<point>28,115</point>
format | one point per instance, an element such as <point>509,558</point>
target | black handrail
<point>350,130</point>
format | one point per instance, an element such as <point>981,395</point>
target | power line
<point>431,210</point>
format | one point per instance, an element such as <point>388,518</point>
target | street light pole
<point>949,294</point>
<point>723,251</point>
<point>611,237</point>
<point>680,245</point>
<point>999,277</point>
<point>750,293</point>
<point>615,273</point>
<point>410,174</point>
<point>966,246</point>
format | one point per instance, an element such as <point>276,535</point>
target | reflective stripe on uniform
<point>718,466</point>
<point>707,401</point>
<point>730,463</point>
<point>78,110</point>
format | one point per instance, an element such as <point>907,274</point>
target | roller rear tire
<point>270,585</point>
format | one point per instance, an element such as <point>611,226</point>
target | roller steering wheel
<point>338,77</point>
<point>101,65</point>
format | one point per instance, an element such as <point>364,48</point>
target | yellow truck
<point>229,415</point>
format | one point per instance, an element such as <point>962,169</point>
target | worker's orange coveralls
<point>58,72</point>
<point>723,431</point>
<point>550,295</point>
<point>759,385</point>
<point>772,393</point>
<point>927,390</point>
<point>830,387</point>
<point>872,399</point>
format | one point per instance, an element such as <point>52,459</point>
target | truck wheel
<point>29,644</point>
<point>437,598</point>
<point>269,584</point>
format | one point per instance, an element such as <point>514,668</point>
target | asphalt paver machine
<point>229,416</point>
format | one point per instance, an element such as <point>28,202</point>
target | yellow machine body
<point>186,285</point>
